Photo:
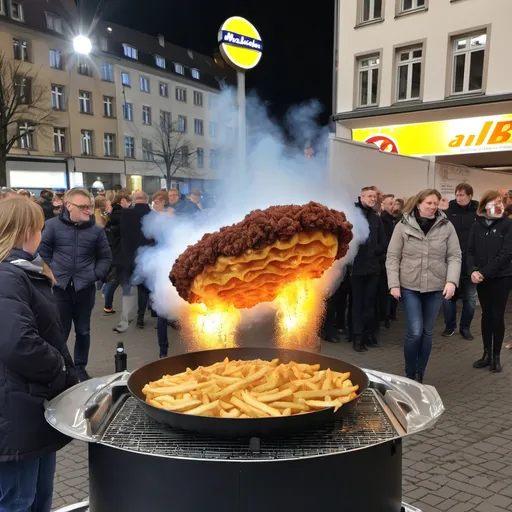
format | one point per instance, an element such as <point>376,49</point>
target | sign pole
<point>242,130</point>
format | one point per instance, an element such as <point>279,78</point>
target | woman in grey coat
<point>423,266</point>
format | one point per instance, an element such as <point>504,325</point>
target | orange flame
<point>300,308</point>
<point>212,327</point>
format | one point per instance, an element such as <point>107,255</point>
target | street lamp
<point>82,45</point>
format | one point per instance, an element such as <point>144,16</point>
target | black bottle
<point>120,359</point>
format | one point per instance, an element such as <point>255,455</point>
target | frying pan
<point>237,427</point>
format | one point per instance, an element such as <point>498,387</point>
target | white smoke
<point>277,173</point>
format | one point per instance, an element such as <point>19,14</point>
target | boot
<point>419,377</point>
<point>371,341</point>
<point>495,366</point>
<point>359,345</point>
<point>484,361</point>
<point>140,321</point>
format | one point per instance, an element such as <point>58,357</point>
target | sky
<point>298,41</point>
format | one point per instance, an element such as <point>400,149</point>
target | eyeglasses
<point>82,207</point>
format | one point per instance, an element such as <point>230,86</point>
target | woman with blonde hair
<point>35,363</point>
<point>100,213</point>
<point>490,264</point>
<point>423,266</point>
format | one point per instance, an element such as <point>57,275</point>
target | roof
<point>148,46</point>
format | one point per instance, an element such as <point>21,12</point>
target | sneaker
<point>447,333</point>
<point>466,334</point>
<point>82,375</point>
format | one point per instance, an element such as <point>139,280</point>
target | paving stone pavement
<point>464,464</point>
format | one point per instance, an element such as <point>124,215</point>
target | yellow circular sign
<point>240,43</point>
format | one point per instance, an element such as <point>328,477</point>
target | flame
<point>300,308</point>
<point>211,327</point>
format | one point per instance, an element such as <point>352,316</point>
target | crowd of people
<point>57,251</point>
<point>427,258</point>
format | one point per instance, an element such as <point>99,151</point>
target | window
<point>160,61</point>
<point>412,5</point>
<point>125,79</point>
<point>213,159</point>
<point>147,150</point>
<point>108,106</point>
<point>183,155</point>
<point>128,111</point>
<point>107,72</point>
<point>84,101</point>
<point>86,142</point>
<point>164,89</point>
<point>196,74</point>
<point>146,115</point>
<point>56,59</point>
<point>26,135</point>
<point>144,84</point>
<point>58,97</point>
<point>368,81</point>
<point>468,63</point>
<point>200,158</point>
<point>54,23</point>
<point>198,98</point>
<point>182,124</point>
<point>179,68</point>
<point>104,44</point>
<point>23,89</point>
<point>109,144</point>
<point>129,147</point>
<point>20,48</point>
<point>59,140</point>
<point>213,129</point>
<point>130,51</point>
<point>181,94</point>
<point>82,66</point>
<point>16,11</point>
<point>198,126</point>
<point>370,10</point>
<point>213,101</point>
<point>165,120</point>
<point>409,74</point>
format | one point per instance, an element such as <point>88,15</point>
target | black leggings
<point>493,296</point>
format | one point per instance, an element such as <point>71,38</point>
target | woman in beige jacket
<point>423,266</point>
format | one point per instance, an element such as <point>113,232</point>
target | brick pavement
<point>463,464</point>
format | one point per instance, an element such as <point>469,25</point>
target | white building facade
<point>427,78</point>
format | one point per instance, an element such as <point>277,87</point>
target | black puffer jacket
<point>113,230</point>
<point>35,364</point>
<point>75,251</point>
<point>370,253</point>
<point>462,218</point>
<point>490,248</point>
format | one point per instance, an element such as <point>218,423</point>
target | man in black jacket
<point>388,222</point>
<point>365,274</point>
<point>77,251</point>
<point>462,214</point>
<point>132,238</point>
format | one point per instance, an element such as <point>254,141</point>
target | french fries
<point>251,389</point>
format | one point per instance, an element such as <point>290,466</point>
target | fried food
<point>249,262</point>
<point>251,389</point>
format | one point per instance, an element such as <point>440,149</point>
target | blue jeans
<point>467,293</point>
<point>110,289</point>
<point>76,308</point>
<point>27,485</point>
<point>421,310</point>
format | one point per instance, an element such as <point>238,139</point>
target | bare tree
<point>23,106</point>
<point>170,150</point>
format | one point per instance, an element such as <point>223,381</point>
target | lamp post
<point>241,47</point>
<point>82,45</point>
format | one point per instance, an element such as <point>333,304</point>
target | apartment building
<point>104,108</point>
<point>429,78</point>
<point>166,99</point>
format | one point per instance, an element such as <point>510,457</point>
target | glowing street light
<point>82,45</point>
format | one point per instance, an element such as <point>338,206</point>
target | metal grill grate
<point>131,429</point>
